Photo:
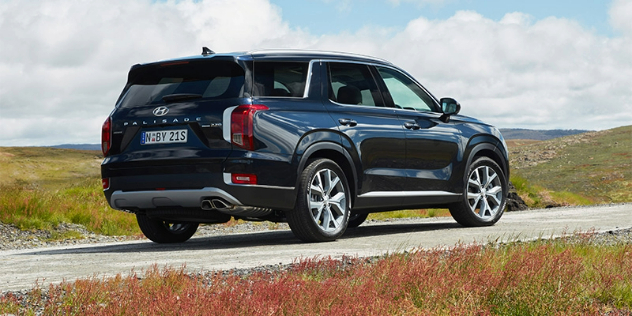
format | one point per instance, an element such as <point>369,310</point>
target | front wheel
<point>163,232</point>
<point>323,203</point>
<point>484,195</point>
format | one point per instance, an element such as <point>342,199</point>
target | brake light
<point>106,183</point>
<point>241,125</point>
<point>242,178</point>
<point>106,136</point>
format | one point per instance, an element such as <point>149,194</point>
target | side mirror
<point>449,107</point>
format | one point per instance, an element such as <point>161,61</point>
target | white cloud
<point>516,72</point>
<point>621,16</point>
<point>63,62</point>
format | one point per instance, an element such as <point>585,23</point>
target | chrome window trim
<point>308,82</point>
<point>390,66</point>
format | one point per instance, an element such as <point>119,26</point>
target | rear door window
<point>352,84</point>
<point>280,79</point>
<point>172,81</point>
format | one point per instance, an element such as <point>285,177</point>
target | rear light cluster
<point>243,178</point>
<point>106,136</point>
<point>241,125</point>
<point>106,183</point>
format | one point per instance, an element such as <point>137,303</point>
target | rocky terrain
<point>521,133</point>
<point>529,156</point>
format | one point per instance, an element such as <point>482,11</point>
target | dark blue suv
<point>317,139</point>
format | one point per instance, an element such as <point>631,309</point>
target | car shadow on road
<point>247,240</point>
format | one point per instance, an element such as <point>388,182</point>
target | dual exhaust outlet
<point>217,204</point>
<point>221,205</point>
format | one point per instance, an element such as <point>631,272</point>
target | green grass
<point>562,277</point>
<point>46,168</point>
<point>83,203</point>
<point>588,168</point>
<point>41,188</point>
<point>536,196</point>
<point>410,214</point>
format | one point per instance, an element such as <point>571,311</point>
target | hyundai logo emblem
<point>161,111</point>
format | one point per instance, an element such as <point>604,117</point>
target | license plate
<point>164,137</point>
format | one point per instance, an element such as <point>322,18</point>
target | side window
<point>405,93</point>
<point>352,84</point>
<point>280,79</point>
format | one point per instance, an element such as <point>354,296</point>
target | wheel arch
<point>336,153</point>
<point>486,146</point>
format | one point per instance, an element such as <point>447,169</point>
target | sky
<point>539,64</point>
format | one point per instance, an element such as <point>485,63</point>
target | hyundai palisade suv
<point>315,139</point>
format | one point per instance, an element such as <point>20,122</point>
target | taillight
<point>241,125</point>
<point>106,183</point>
<point>106,136</point>
<point>243,178</point>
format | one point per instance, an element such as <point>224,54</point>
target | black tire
<point>486,178</point>
<point>165,232</point>
<point>357,219</point>
<point>307,221</point>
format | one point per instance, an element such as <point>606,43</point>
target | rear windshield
<point>280,79</point>
<point>167,82</point>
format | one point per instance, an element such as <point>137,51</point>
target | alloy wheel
<point>327,200</point>
<point>484,192</point>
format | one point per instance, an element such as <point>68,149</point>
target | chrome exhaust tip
<point>221,204</point>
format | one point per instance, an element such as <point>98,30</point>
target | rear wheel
<point>161,231</point>
<point>484,195</point>
<point>323,203</point>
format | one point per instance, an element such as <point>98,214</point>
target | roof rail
<point>308,51</point>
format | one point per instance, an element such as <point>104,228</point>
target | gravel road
<point>251,246</point>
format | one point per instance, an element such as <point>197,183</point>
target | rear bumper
<point>175,191</point>
<point>168,198</point>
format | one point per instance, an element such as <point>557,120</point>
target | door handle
<point>347,122</point>
<point>411,125</point>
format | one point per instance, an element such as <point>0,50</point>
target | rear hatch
<point>172,113</point>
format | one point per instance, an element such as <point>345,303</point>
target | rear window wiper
<point>180,96</point>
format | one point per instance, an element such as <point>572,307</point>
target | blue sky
<point>557,64</point>
<point>329,17</point>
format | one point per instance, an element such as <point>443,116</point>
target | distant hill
<point>79,146</point>
<point>595,165</point>
<point>520,133</point>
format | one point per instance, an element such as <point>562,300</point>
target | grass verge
<point>423,213</point>
<point>536,196</point>
<point>569,276</point>
<point>82,203</point>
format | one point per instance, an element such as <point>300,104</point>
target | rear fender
<point>327,146</point>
